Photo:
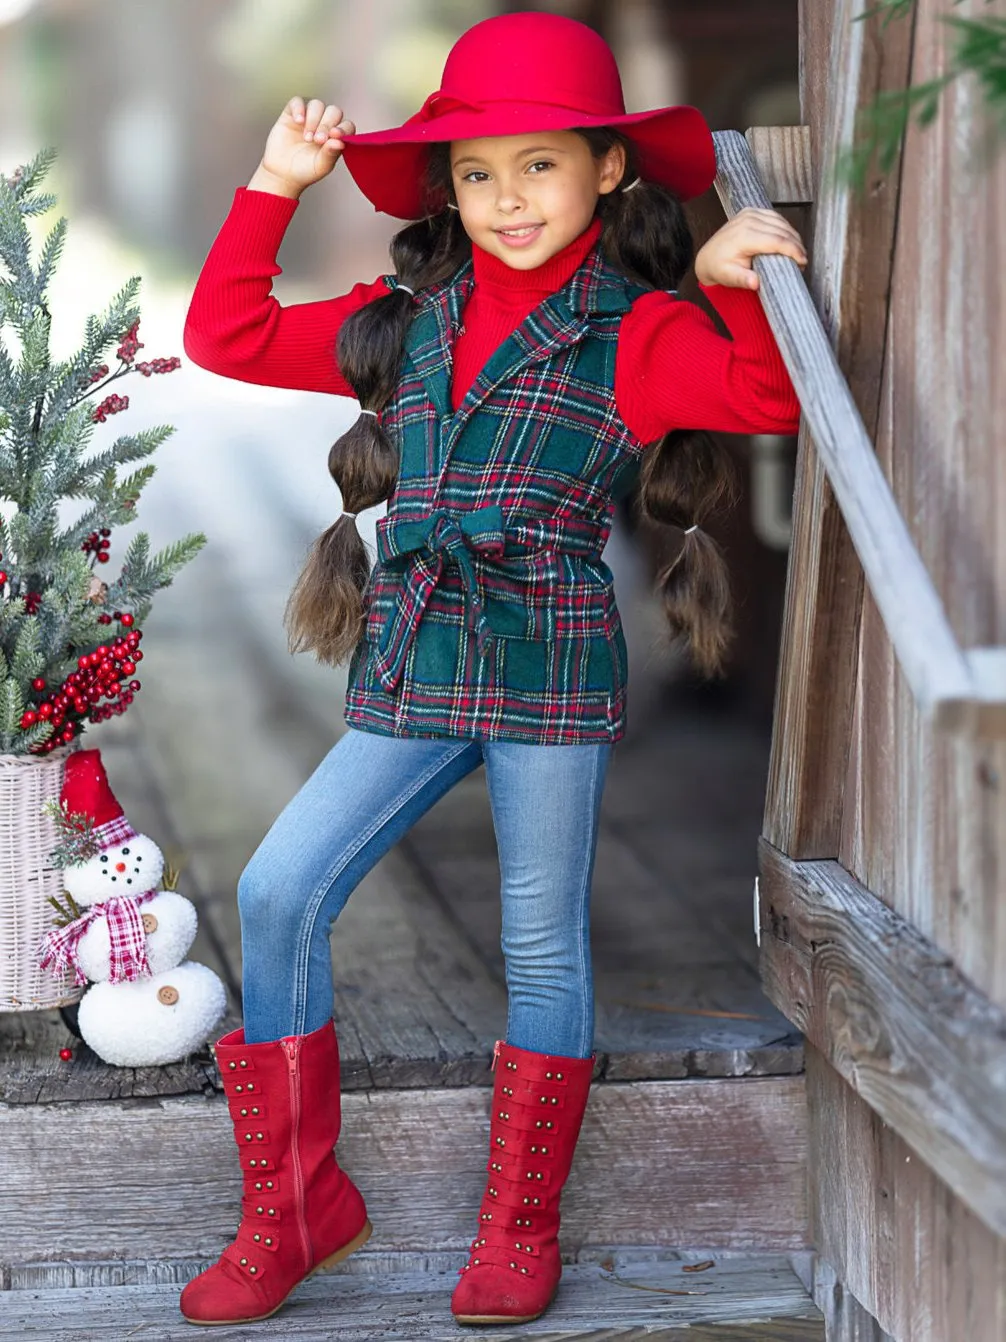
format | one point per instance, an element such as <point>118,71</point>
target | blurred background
<point>159,109</point>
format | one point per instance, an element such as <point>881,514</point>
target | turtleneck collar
<point>493,276</point>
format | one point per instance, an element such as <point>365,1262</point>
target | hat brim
<point>675,148</point>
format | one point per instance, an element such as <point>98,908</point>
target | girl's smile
<point>523,198</point>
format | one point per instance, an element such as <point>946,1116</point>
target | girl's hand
<point>726,257</point>
<point>303,147</point>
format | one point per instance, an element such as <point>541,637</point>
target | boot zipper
<point>292,1049</point>
<point>496,1054</point>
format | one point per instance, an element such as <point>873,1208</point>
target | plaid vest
<point>489,611</point>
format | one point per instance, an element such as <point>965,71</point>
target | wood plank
<point>845,1318</point>
<point>718,1162</point>
<point>32,1072</point>
<point>782,154</point>
<point>736,1300</point>
<point>891,1013</point>
<point>923,1265</point>
<point>414,1002</point>
<point>852,249</point>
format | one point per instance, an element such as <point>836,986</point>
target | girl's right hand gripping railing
<point>961,690</point>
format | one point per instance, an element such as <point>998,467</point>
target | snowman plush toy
<point>147,1005</point>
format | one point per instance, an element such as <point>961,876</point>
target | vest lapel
<point>560,320</point>
<point>429,342</point>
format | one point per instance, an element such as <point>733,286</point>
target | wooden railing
<point>959,690</point>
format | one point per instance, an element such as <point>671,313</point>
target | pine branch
<point>980,51</point>
<point>27,661</point>
<point>54,607</point>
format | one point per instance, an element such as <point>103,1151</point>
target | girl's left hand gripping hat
<point>518,73</point>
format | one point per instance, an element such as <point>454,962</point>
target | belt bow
<point>426,544</point>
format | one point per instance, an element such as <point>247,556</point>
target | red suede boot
<point>513,1270</point>
<point>300,1211</point>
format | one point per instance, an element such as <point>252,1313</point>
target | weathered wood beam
<point>782,156</point>
<point>914,1038</point>
<point>717,1163</point>
<point>935,667</point>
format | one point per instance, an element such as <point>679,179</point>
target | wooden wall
<point>909,277</point>
<point>925,821</point>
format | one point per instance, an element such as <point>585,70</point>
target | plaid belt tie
<point>426,543</point>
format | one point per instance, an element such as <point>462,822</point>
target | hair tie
<point>690,529</point>
<point>452,206</point>
<point>345,514</point>
<point>406,288</point>
<point>631,186</point>
<point>368,412</point>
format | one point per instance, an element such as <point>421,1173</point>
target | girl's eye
<point>541,163</point>
<point>475,173</point>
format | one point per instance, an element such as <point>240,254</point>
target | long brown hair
<point>684,475</point>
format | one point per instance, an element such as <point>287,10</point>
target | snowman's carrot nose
<point>120,866</point>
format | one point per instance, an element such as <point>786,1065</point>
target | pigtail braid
<point>325,611</point>
<point>686,474</point>
<point>683,478</point>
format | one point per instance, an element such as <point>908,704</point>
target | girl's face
<point>523,198</point>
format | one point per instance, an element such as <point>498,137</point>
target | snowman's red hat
<point>86,791</point>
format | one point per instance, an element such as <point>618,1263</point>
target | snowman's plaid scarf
<point>59,948</point>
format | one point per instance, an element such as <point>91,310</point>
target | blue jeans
<point>361,799</point>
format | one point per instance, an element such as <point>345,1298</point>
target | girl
<point>519,371</point>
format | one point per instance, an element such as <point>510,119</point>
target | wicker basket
<point>27,837</point>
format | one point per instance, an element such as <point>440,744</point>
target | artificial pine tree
<point>61,663</point>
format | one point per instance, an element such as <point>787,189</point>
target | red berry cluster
<point>111,405</point>
<point>159,366</point>
<point>3,575</point>
<point>98,544</point>
<point>130,344</point>
<point>97,374</point>
<point>101,674</point>
<point>32,601</point>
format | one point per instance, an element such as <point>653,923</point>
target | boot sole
<point>330,1261</point>
<point>496,1318</point>
<point>503,1318</point>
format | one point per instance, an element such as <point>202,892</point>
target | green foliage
<point>979,51</point>
<point>52,588</point>
<point>76,843</point>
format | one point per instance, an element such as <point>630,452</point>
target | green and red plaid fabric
<point>490,612</point>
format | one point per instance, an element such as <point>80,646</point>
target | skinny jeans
<point>362,798</point>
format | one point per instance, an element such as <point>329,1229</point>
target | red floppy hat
<point>519,73</point>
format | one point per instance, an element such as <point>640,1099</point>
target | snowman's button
<point>167,995</point>
<point>149,923</point>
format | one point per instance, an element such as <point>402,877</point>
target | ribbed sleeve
<point>237,328</point>
<point>674,370</point>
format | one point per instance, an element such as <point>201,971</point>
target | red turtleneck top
<point>673,369</point>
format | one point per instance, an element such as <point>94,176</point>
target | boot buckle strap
<point>251,1135</point>
<point>264,1209</point>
